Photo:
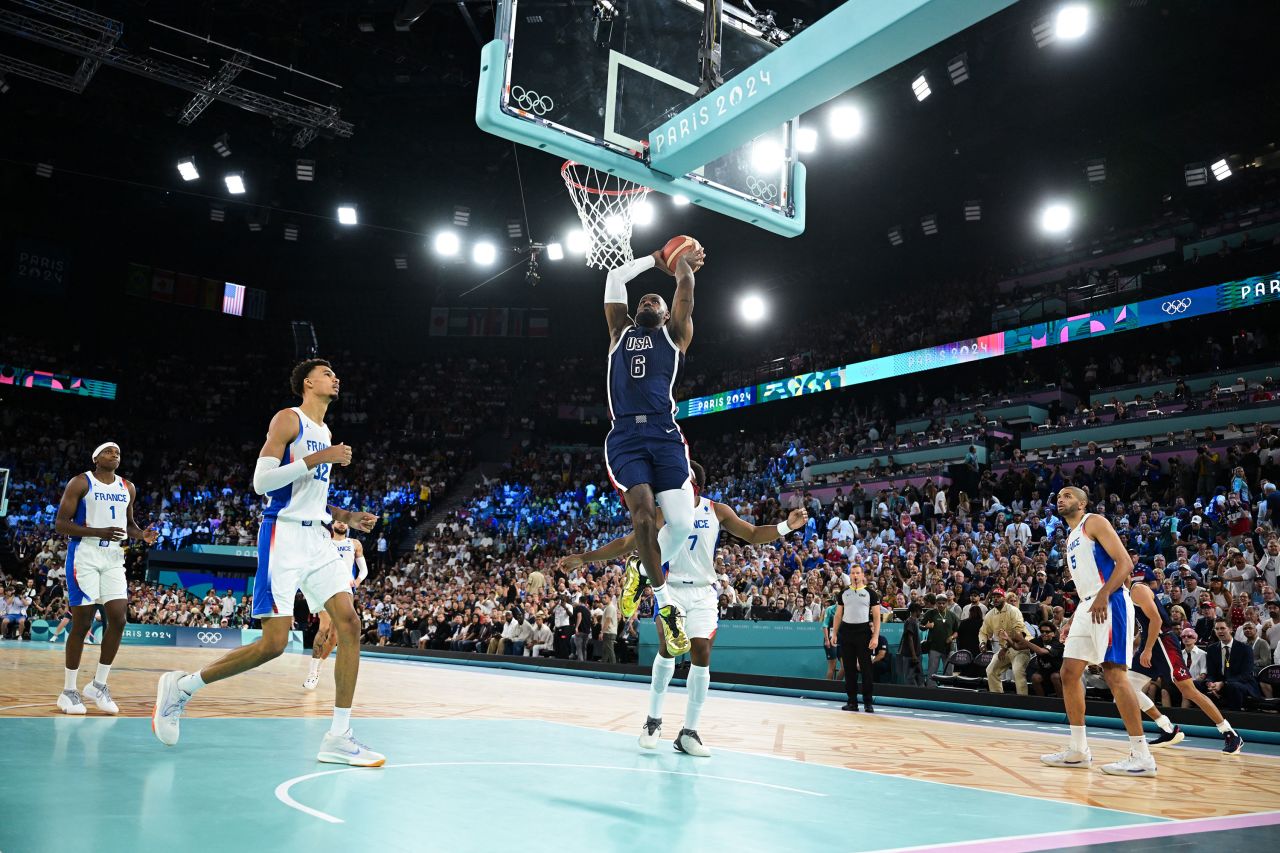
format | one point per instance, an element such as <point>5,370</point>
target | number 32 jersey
<point>307,498</point>
<point>694,563</point>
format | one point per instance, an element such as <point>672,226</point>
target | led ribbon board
<point>1214,299</point>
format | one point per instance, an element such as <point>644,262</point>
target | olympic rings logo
<point>209,637</point>
<point>529,100</point>
<point>1176,306</point>
<point>761,189</point>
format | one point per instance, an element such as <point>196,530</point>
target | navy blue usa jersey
<point>643,366</point>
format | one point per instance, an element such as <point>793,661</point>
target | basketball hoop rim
<point>569,180</point>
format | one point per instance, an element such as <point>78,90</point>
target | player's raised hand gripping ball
<point>677,246</point>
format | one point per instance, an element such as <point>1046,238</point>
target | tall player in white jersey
<point>691,581</point>
<point>96,514</point>
<point>1100,632</point>
<point>351,552</point>
<point>294,552</point>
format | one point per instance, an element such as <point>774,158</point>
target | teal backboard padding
<point>852,44</point>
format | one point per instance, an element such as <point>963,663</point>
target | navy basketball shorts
<point>1166,661</point>
<point>652,452</point>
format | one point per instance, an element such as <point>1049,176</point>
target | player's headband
<point>102,447</point>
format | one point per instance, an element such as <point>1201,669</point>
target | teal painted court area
<point>461,785</point>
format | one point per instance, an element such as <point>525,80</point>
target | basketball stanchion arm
<point>852,44</point>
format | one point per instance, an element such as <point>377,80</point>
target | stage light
<point>187,169</point>
<point>921,87</point>
<point>578,242</point>
<point>555,252</point>
<point>1096,171</point>
<point>1056,218</point>
<point>462,216</point>
<point>447,243</point>
<point>1071,22</point>
<point>642,213</point>
<point>484,253</point>
<point>895,235</point>
<point>752,308</point>
<point>615,225</point>
<point>235,182</point>
<point>44,170</point>
<point>806,140</point>
<point>1221,170</point>
<point>347,215</point>
<point>514,229</point>
<point>1195,174</point>
<point>766,155</point>
<point>401,262</point>
<point>845,122</point>
<point>679,200</point>
<point>222,145</point>
<point>929,224</point>
<point>217,213</point>
<point>291,232</point>
<point>304,170</point>
<point>973,211</point>
<point>958,68</point>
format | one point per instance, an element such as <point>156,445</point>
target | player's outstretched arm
<point>759,534</point>
<point>680,326</point>
<point>616,304</point>
<point>65,522</point>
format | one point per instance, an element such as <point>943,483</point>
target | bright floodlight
<point>347,215</point>
<point>679,200</point>
<point>806,140</point>
<point>766,155</point>
<point>235,183</point>
<point>846,122</point>
<point>578,242</point>
<point>555,252</point>
<point>1056,218</point>
<point>921,88</point>
<point>1221,170</point>
<point>1071,22</point>
<point>752,308</point>
<point>447,243</point>
<point>642,213</point>
<point>484,253</point>
<point>187,169</point>
<point>615,225</point>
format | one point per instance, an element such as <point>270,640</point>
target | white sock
<point>1078,741</point>
<point>341,721</point>
<point>190,683</point>
<point>1138,746</point>
<point>663,669</point>
<point>698,682</point>
<point>662,595</point>
<point>1223,727</point>
<point>104,669</point>
<point>315,666</point>
<point>69,678</point>
<point>1165,725</point>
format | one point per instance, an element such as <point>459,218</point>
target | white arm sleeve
<point>615,284</point>
<point>363,567</point>
<point>268,475</point>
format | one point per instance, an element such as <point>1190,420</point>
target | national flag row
<point>191,291</point>
<point>490,322</point>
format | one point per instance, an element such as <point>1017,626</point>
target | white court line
<point>282,790</point>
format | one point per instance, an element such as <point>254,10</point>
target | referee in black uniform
<point>858,615</point>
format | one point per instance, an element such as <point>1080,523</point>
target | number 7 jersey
<point>694,562</point>
<point>307,498</point>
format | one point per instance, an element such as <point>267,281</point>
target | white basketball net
<point>604,204</point>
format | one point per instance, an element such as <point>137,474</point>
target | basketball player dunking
<point>96,515</point>
<point>691,575</point>
<point>294,552</point>
<point>645,453</point>
<point>1161,657</point>
<point>351,551</point>
<point>1101,632</point>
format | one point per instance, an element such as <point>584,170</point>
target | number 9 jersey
<point>307,498</point>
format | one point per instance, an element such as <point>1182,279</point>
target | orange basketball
<point>676,247</point>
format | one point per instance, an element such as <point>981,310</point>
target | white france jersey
<point>104,505</point>
<point>347,552</point>
<point>307,498</point>
<point>1091,565</point>
<point>694,563</point>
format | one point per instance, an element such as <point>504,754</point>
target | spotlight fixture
<point>920,86</point>
<point>4,85</point>
<point>895,235</point>
<point>766,155</point>
<point>752,308</point>
<point>217,213</point>
<point>642,213</point>
<point>679,200</point>
<point>578,243</point>
<point>291,232</point>
<point>401,262</point>
<point>1221,170</point>
<point>187,169</point>
<point>1056,218</point>
<point>447,243</point>
<point>845,122</point>
<point>555,252</point>
<point>1069,23</point>
<point>514,229</point>
<point>973,211</point>
<point>234,182</point>
<point>484,253</point>
<point>44,170</point>
<point>1195,174</point>
<point>305,170</point>
<point>222,145</point>
<point>806,140</point>
<point>929,224</point>
<point>347,214</point>
<point>365,23</point>
<point>1096,170</point>
<point>958,68</point>
<point>462,216</point>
